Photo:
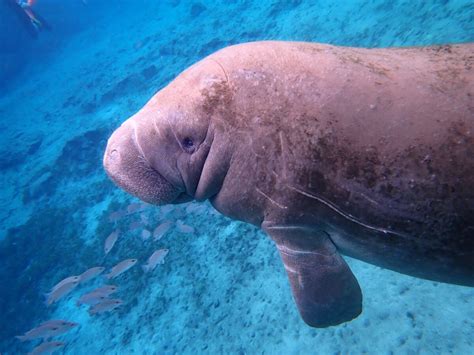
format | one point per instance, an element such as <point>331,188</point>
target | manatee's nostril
<point>114,154</point>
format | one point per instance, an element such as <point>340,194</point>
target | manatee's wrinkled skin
<point>364,152</point>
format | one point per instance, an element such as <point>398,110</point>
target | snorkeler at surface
<point>32,20</point>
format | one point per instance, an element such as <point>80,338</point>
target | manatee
<point>330,150</point>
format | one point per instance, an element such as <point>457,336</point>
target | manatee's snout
<point>126,164</point>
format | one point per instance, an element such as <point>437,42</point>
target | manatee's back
<point>385,136</point>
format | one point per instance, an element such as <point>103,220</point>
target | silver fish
<point>135,225</point>
<point>91,273</point>
<point>47,330</point>
<point>61,329</point>
<point>60,292</point>
<point>183,228</point>
<point>167,209</point>
<point>105,290</point>
<point>161,230</point>
<point>116,216</point>
<point>158,257</point>
<point>47,348</point>
<point>65,281</point>
<point>195,208</point>
<point>91,299</point>
<point>137,207</point>
<point>42,331</point>
<point>57,323</point>
<point>110,241</point>
<point>120,268</point>
<point>97,295</point>
<point>105,306</point>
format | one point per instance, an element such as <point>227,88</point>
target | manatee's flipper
<point>325,290</point>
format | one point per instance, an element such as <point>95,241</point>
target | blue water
<point>222,288</point>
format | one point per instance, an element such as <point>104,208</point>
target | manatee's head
<point>159,154</point>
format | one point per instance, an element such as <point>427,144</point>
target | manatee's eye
<point>188,143</point>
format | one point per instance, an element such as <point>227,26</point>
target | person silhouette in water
<point>35,22</point>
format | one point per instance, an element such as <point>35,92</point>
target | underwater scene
<point>125,260</point>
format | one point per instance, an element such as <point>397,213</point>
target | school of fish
<point>98,300</point>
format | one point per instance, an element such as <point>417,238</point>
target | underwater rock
<point>211,46</point>
<point>35,146</point>
<point>75,162</point>
<point>150,72</point>
<point>77,156</point>
<point>130,85</point>
<point>283,6</point>
<point>196,9</point>
<point>89,107</point>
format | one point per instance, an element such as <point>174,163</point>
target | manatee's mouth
<point>127,167</point>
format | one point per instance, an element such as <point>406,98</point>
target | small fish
<point>91,273</point>
<point>57,323</point>
<point>60,292</point>
<point>120,268</point>
<point>201,209</point>
<point>158,257</point>
<point>65,281</point>
<point>47,348</point>
<point>110,241</point>
<point>160,231</point>
<point>146,234</point>
<point>136,207</point>
<point>183,228</point>
<point>195,208</point>
<point>166,209</point>
<point>91,299</point>
<point>117,215</point>
<point>97,295</point>
<point>135,225</point>
<point>42,331</point>
<point>105,290</point>
<point>61,329</point>
<point>47,330</point>
<point>105,306</point>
